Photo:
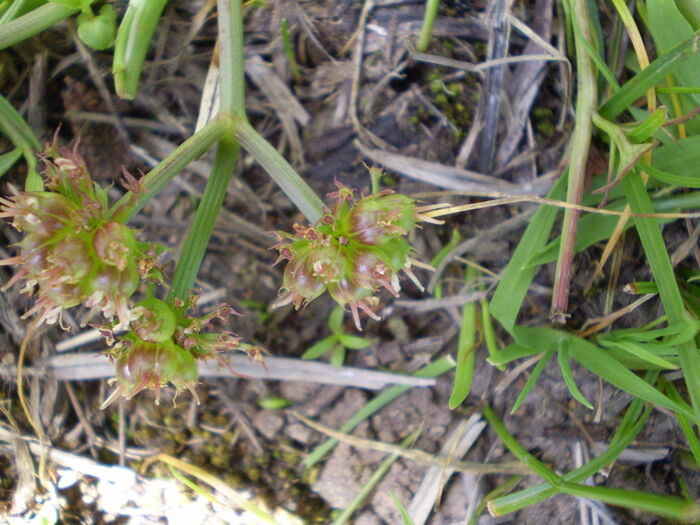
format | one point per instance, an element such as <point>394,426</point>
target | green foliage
<point>338,342</point>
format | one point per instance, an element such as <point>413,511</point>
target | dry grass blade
<point>507,467</point>
<point>84,366</point>
<point>456,446</point>
<point>447,177</point>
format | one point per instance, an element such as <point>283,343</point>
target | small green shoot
<point>374,480</point>
<point>273,403</point>
<point>338,342</point>
<point>466,350</point>
<point>405,517</point>
<point>289,52</point>
<point>132,42</point>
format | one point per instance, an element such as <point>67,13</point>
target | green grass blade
<point>537,466</point>
<point>671,178</point>
<point>289,52</point>
<point>14,127</point>
<point>662,269</point>
<point>598,361</point>
<point>563,358</point>
<point>517,276</point>
<point>338,356</point>
<point>505,487</point>
<point>432,370</point>
<point>7,160</point>
<point>405,517</point>
<point>440,256</point>
<point>335,320</point>
<point>511,353</point>
<point>354,342</point>
<point>631,424</point>
<point>670,507</point>
<point>669,27</point>
<point>466,351</point>
<point>320,348</point>
<point>667,506</point>
<point>651,76</point>
<point>642,353</point>
<point>680,156</point>
<point>690,436</point>
<point>532,380</point>
<point>373,481</point>
<point>489,332</point>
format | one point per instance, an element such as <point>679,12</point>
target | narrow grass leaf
<point>338,356</point>
<point>510,353</point>
<point>563,358</point>
<point>669,27</point>
<point>505,487</point>
<point>680,156</point>
<point>537,466</point>
<point>405,517</point>
<point>373,481</point>
<point>667,506</point>
<point>320,348</point>
<point>517,277</point>
<point>631,424</point>
<point>670,178</point>
<point>651,76</point>
<point>532,380</point>
<point>192,485</point>
<point>466,351</point>
<point>603,365</point>
<point>335,320</point>
<point>7,160</point>
<point>642,353</point>
<point>662,269</point>
<point>32,23</point>
<point>489,332</point>
<point>354,342</point>
<point>690,435</point>
<point>432,370</point>
<point>598,361</point>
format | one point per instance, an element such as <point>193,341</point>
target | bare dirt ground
<point>364,97</point>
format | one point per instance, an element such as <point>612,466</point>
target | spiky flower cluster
<point>164,345</point>
<point>71,252</point>
<point>74,253</point>
<point>357,248</point>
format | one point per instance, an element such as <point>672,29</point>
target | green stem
<point>32,23</point>
<point>232,104</point>
<point>586,100</point>
<point>299,192</point>
<point>431,10</point>
<point>203,225</point>
<point>159,177</point>
<point>232,61</point>
<point>132,43</point>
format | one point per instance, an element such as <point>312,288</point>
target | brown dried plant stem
<point>586,99</point>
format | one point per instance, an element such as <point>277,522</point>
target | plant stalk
<point>586,100</point>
